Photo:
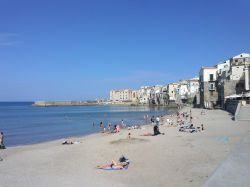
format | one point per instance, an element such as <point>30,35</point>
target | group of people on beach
<point>110,128</point>
<point>185,121</point>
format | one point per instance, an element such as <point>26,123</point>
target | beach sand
<point>174,159</point>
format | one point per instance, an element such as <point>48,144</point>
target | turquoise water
<point>23,123</point>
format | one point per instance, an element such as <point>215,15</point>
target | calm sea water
<point>23,123</point>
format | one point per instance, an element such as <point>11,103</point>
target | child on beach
<point>129,135</point>
<point>109,127</point>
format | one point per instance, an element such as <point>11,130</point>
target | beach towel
<point>113,169</point>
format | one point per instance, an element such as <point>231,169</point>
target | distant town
<point>220,86</point>
<point>216,86</point>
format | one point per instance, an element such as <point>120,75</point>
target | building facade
<point>233,77</point>
<point>208,91</point>
<point>193,86</point>
<point>171,91</point>
<point>121,95</point>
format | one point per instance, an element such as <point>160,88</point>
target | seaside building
<point>193,87</point>
<point>165,96</point>
<point>144,94</point>
<point>156,95</point>
<point>171,91</point>
<point>122,95</point>
<point>135,96</point>
<point>153,95</point>
<point>182,90</point>
<point>233,77</point>
<point>208,91</point>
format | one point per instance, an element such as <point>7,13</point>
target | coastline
<point>189,159</point>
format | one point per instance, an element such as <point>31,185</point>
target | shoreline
<point>140,122</point>
<point>77,136</point>
<point>173,159</point>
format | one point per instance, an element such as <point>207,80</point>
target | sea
<point>24,124</point>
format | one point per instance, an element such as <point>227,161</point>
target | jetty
<point>64,103</point>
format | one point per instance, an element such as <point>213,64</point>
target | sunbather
<point>67,142</point>
<point>189,128</point>
<point>122,164</point>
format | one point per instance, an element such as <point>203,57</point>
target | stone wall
<point>231,106</point>
<point>229,87</point>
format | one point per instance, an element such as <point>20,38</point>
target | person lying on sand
<point>191,128</point>
<point>122,164</point>
<point>67,142</point>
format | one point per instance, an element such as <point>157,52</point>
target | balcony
<point>211,80</point>
<point>211,88</point>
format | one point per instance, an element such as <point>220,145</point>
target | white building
<point>121,95</point>
<point>171,91</point>
<point>182,90</point>
<point>223,69</point>
<point>193,87</point>
<point>144,94</point>
<point>237,66</point>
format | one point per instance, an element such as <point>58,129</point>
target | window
<point>211,77</point>
<point>211,87</point>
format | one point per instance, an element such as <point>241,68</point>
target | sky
<point>81,49</point>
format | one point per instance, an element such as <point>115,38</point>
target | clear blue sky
<point>80,49</point>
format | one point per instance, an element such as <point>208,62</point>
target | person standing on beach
<point>109,127</point>
<point>122,124</point>
<point>161,120</point>
<point>157,120</point>
<point>101,126</point>
<point>152,119</point>
<point>2,141</point>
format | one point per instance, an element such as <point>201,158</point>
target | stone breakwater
<point>64,103</point>
<point>92,103</point>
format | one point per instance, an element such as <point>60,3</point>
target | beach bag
<point>123,159</point>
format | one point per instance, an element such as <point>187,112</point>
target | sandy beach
<point>174,159</point>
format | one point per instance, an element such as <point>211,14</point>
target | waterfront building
<point>144,94</point>
<point>233,77</point>
<point>155,95</point>
<point>193,87</point>
<point>121,95</point>
<point>182,90</point>
<point>171,91</point>
<point>208,91</point>
<point>135,96</point>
